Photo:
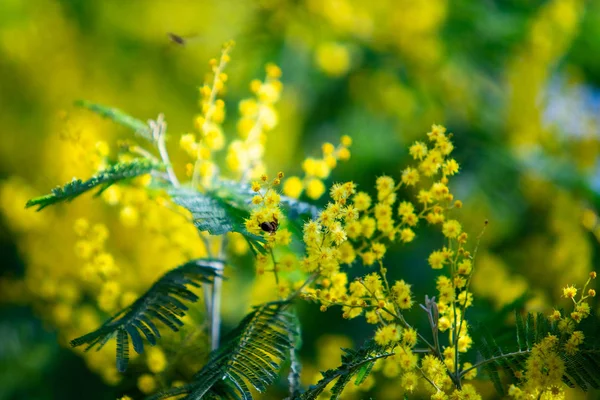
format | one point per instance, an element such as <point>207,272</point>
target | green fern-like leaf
<point>216,213</point>
<point>251,354</point>
<point>162,302</point>
<point>103,180</point>
<point>501,362</point>
<point>354,362</point>
<point>240,196</point>
<point>117,116</point>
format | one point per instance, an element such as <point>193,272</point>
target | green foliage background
<point>516,81</point>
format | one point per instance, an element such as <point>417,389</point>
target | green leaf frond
<point>238,197</point>
<point>354,363</point>
<point>162,302</point>
<point>501,361</point>
<point>251,354</point>
<point>103,180</point>
<point>216,213</point>
<point>118,116</point>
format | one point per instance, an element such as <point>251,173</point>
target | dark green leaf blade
<point>250,354</point>
<point>353,362</point>
<point>159,302</point>
<point>216,214</point>
<point>117,116</point>
<point>103,180</point>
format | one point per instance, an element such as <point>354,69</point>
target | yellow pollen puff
<point>255,85</point>
<point>188,143</point>
<point>346,141</point>
<point>156,360</point>
<point>328,148</point>
<point>418,150</point>
<point>273,71</point>
<point>331,161</point>
<point>256,186</point>
<point>407,235</point>
<point>343,154</point>
<point>333,59</point>
<point>293,187</point>
<point>424,197</point>
<point>387,335</point>
<point>593,274</point>
<point>451,229</point>
<point>569,292</point>
<point>315,188</point>
<point>378,250</point>
<point>81,226</point>
<point>102,148</point>
<point>410,176</point>
<point>450,167</point>
<point>436,259</point>
<point>257,199</point>
<point>464,267</point>
<point>592,293</point>
<point>146,383</point>
<point>362,201</point>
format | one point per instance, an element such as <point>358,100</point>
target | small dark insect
<point>176,38</point>
<point>270,227</point>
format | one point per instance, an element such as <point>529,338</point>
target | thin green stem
<point>492,359</point>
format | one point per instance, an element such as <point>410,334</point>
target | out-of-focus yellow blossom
<point>147,384</point>
<point>316,170</point>
<point>258,118</point>
<point>333,58</point>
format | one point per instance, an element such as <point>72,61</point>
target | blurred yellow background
<point>515,81</point>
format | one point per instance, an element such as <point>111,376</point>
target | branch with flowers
<point>310,254</point>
